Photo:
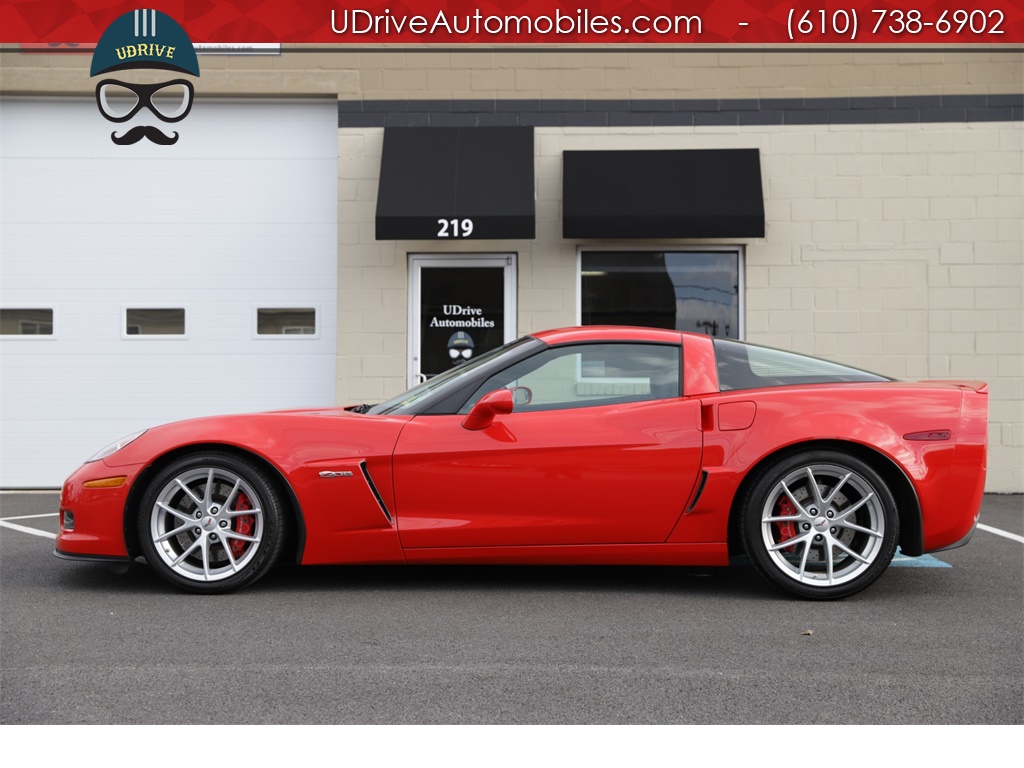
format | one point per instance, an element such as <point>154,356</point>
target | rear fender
<point>868,420</point>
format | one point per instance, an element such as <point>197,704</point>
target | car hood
<point>285,438</point>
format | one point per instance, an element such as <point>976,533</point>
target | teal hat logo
<point>144,39</point>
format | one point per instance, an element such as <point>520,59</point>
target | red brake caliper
<point>244,524</point>
<point>786,530</point>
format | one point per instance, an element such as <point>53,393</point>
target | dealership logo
<point>460,347</point>
<point>144,40</point>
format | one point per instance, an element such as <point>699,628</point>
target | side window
<point>747,366</point>
<point>589,374</point>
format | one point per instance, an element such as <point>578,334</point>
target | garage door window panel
<point>280,322</point>
<point>26,322</point>
<point>154,321</point>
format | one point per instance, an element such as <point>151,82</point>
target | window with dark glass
<point>295,321</point>
<point>679,290</point>
<point>746,366</point>
<point>26,322</point>
<point>154,322</point>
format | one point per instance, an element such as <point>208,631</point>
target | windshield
<point>450,379</point>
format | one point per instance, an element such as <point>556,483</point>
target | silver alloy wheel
<point>207,524</point>
<point>823,525</point>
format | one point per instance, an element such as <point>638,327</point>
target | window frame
<point>741,261</point>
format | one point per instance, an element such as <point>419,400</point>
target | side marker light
<point>936,434</point>
<point>106,482</point>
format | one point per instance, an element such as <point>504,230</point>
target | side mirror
<point>482,414</point>
<point>522,395</point>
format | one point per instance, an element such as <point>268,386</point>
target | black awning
<point>456,184</point>
<point>662,193</point>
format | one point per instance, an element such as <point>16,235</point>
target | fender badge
<point>335,474</point>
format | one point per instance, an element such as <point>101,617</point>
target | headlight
<point>114,447</point>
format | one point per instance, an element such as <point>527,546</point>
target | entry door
<point>600,449</point>
<point>600,475</point>
<point>459,308</point>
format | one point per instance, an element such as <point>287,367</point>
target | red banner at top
<point>555,22</point>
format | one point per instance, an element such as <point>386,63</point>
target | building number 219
<point>455,227</point>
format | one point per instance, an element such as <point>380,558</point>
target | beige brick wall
<point>893,248</point>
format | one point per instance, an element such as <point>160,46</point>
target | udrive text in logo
<point>144,40</point>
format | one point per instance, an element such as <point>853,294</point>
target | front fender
<point>328,459</point>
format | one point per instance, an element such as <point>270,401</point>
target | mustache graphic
<point>140,132</point>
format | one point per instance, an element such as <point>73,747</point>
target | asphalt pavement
<point>82,644</point>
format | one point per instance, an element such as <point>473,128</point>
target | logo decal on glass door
<point>474,318</point>
<point>460,347</point>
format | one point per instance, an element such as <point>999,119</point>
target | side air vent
<point>700,490</point>
<point>375,492</point>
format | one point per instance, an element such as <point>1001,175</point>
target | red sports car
<point>595,445</point>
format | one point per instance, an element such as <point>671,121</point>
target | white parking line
<point>998,532</point>
<point>4,522</point>
<point>25,529</point>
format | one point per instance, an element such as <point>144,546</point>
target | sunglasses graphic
<point>119,101</point>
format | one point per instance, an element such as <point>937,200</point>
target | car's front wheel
<point>820,524</point>
<point>211,522</point>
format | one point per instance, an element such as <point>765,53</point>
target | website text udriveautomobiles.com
<point>476,24</point>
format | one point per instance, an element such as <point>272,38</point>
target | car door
<point>599,449</point>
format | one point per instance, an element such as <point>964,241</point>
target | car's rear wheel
<point>211,523</point>
<point>820,524</point>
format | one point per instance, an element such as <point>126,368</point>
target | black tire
<point>838,512</point>
<point>211,537</point>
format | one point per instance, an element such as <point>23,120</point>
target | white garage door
<point>141,284</point>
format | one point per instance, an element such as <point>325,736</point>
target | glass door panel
<point>460,307</point>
